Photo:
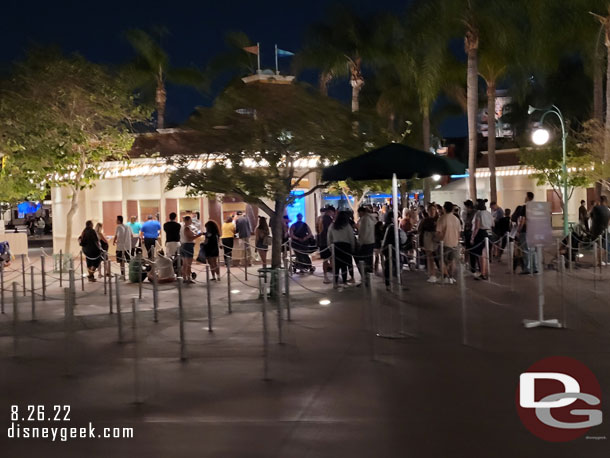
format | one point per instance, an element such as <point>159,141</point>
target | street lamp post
<point>540,137</point>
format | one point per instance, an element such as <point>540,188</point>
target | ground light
<point>324,302</point>
<point>234,291</point>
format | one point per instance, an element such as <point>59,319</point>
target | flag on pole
<point>284,53</point>
<point>251,49</point>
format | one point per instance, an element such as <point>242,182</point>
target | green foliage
<point>234,60</point>
<point>548,165</point>
<point>60,117</point>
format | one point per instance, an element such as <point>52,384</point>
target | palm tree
<point>151,70</point>
<point>339,48</point>
<point>234,60</point>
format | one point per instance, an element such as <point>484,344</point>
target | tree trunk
<point>472,95</point>
<point>323,83</point>
<point>426,145</point>
<point>598,90</point>
<point>357,81</point>
<point>491,139</point>
<point>607,125</point>
<point>160,100</point>
<point>69,220</point>
<point>277,230</point>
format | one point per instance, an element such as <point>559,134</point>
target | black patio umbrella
<point>395,158</point>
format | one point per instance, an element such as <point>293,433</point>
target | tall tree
<point>234,60</point>
<point>60,118</point>
<point>151,69</point>
<point>340,48</point>
<point>262,142</point>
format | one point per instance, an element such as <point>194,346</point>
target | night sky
<point>95,29</point>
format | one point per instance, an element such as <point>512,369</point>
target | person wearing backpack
<point>302,239</point>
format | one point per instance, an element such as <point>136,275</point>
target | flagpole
<point>258,57</point>
<point>277,68</point>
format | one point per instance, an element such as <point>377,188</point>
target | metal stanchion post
<point>564,313</point>
<point>595,266</point>
<point>230,308</point>
<point>558,254</point>
<point>117,290</point>
<point>246,248</point>
<point>181,318</point>
<point>33,293</point>
<point>265,332</point>
<point>511,256</point>
<point>372,330</point>
<point>136,368</point>
<point>463,302</point>
<point>390,265</point>
<point>61,267</point>
<point>71,284</point>
<point>442,262</point>
<point>209,296</point>
<point>550,323</point>
<point>109,283</point>
<point>570,251</point>
<point>119,315</point>
<point>278,299</point>
<point>104,276</point>
<point>44,279</point>
<point>487,258</point>
<point>287,292</point>
<point>82,273</point>
<point>15,319</point>
<point>2,288</point>
<point>140,276</point>
<point>23,274</point>
<point>155,273</point>
<point>334,264</point>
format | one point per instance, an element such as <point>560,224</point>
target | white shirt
<point>183,238</point>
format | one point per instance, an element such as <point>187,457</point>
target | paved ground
<point>335,390</point>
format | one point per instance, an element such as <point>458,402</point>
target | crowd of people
<point>429,238</point>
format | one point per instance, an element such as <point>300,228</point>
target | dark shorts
<point>187,250</point>
<point>450,254</point>
<point>325,252</point>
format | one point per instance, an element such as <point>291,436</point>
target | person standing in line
<point>448,229</point>
<point>172,235</point>
<point>366,240</point>
<point>243,228</point>
<point>122,241</point>
<point>502,229</point>
<point>211,248</point>
<point>262,239</point>
<point>481,230</point>
<point>341,234</point>
<point>427,235</point>
<point>92,250</point>
<point>583,215</point>
<point>228,238</point>
<point>467,217</point>
<point>150,231</point>
<point>300,234</point>
<point>99,230</point>
<point>40,225</point>
<point>325,221</point>
<point>187,248</point>
<point>600,218</point>
<point>135,227</point>
<point>530,257</point>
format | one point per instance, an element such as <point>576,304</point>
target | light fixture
<point>324,302</point>
<point>234,291</point>
<point>540,136</point>
<point>436,177</point>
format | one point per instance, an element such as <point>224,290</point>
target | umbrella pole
<point>396,234</point>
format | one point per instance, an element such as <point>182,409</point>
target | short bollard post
<point>110,299</point>
<point>372,327</point>
<point>33,293</point>
<point>246,249</point>
<point>278,287</point>
<point>61,267</point>
<point>2,288</point>
<point>119,316</point>
<point>155,293</point>
<point>44,279</point>
<point>82,273</point>
<point>564,313</point>
<point>181,318</point>
<point>229,285</point>
<point>23,275</point>
<point>117,290</point>
<point>265,332</point>
<point>209,296</point>
<point>511,256</point>
<point>334,265</point>
<point>287,292</point>
<point>104,272</point>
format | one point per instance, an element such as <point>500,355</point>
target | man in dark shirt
<point>600,218</point>
<point>172,235</point>
<point>583,215</point>
<point>530,258</point>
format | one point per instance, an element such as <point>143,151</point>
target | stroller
<point>5,254</point>
<point>300,261</point>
